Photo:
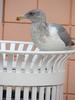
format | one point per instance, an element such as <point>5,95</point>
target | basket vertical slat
<point>12,47</point>
<point>1,93</point>
<point>48,91</point>
<point>1,62</point>
<point>26,93</point>
<point>20,48</point>
<point>3,48</point>
<point>17,93</point>
<point>53,93</point>
<point>61,93</point>
<point>33,61</point>
<point>56,62</point>
<point>8,93</point>
<point>29,48</point>
<point>34,93</point>
<point>41,93</point>
<point>20,57</point>
<point>11,58</point>
<point>50,63</point>
<point>42,64</point>
<point>61,63</point>
<point>9,62</point>
<point>58,93</point>
<point>35,58</point>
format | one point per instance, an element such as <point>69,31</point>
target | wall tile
<point>73,32</point>
<point>65,81</point>
<point>1,31</point>
<point>65,97</point>
<point>71,97</point>
<point>56,10</point>
<point>14,8</point>
<point>73,38</point>
<point>72,57</point>
<point>73,12</point>
<point>17,32</point>
<point>71,80</point>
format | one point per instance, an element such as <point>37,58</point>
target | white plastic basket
<point>29,74</point>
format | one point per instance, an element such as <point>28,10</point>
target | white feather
<point>44,42</point>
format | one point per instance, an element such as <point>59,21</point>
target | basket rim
<point>69,51</point>
<point>38,52</point>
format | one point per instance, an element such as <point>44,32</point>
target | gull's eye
<point>31,13</point>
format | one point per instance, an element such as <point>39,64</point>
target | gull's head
<point>34,15</point>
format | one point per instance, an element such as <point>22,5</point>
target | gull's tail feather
<point>72,43</point>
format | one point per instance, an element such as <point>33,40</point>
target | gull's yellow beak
<point>20,17</point>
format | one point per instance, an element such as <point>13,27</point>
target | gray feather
<point>63,34</point>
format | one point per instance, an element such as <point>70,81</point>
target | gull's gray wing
<point>63,34</point>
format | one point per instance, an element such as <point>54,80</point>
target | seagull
<point>47,36</point>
